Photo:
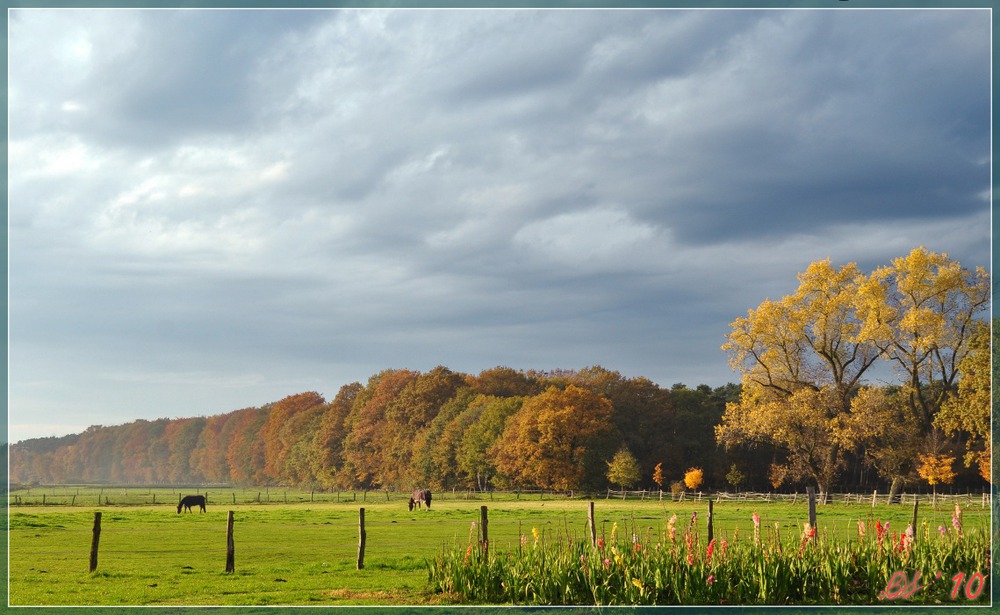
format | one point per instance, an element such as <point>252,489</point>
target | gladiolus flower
<point>861,528</point>
<point>709,550</point>
<point>600,543</point>
<point>942,529</point>
<point>710,579</point>
<point>881,531</point>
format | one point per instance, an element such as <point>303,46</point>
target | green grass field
<point>305,553</point>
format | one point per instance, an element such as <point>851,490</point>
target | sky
<point>213,209</point>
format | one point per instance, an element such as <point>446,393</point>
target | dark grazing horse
<point>420,496</point>
<point>191,500</point>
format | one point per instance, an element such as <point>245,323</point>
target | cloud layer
<point>214,209</point>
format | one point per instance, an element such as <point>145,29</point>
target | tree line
<point>444,429</point>
<point>804,413</point>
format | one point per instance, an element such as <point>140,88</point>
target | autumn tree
<point>409,415</point>
<point>369,429</point>
<point>968,412</point>
<point>473,457</point>
<point>505,382</point>
<point>559,439</point>
<point>881,429</point>
<point>922,312</point>
<point>328,441</point>
<point>919,314</point>
<point>936,469</point>
<point>693,478</point>
<point>245,449</point>
<point>658,475</point>
<point>209,457</point>
<point>283,429</point>
<point>435,448</point>
<point>801,358</point>
<point>181,437</point>
<point>623,469</point>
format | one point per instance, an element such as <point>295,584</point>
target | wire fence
<point>318,538</point>
<point>222,495</point>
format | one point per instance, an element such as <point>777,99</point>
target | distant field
<point>305,552</point>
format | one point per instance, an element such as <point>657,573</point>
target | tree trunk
<point>897,484</point>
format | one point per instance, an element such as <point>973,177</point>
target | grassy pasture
<point>305,552</point>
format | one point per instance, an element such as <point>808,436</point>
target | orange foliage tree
<point>559,439</point>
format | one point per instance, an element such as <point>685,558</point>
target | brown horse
<point>191,500</point>
<point>420,496</point>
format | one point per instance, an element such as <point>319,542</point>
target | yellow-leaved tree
<point>804,360</point>
<point>936,469</point>
<point>801,359</point>
<point>693,478</point>
<point>922,312</point>
<point>969,411</point>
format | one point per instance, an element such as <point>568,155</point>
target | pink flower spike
<point>711,579</point>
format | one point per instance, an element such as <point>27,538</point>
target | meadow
<point>302,548</point>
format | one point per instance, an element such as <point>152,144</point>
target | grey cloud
<point>300,199</point>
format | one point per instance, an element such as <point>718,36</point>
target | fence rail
<point>167,496</point>
<point>272,539</point>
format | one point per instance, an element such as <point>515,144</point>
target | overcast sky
<point>214,209</point>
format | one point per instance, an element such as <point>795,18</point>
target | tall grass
<point>765,567</point>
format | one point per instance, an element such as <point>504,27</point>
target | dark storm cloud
<point>214,209</point>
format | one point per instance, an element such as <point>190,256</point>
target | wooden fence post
<point>484,523</point>
<point>710,520</point>
<point>593,526</point>
<point>874,495</point>
<point>812,506</point>
<point>914,523</point>
<point>230,544</point>
<point>361,538</point>
<point>95,541</point>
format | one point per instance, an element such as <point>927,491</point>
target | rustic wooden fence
<point>809,512</point>
<point>220,496</point>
